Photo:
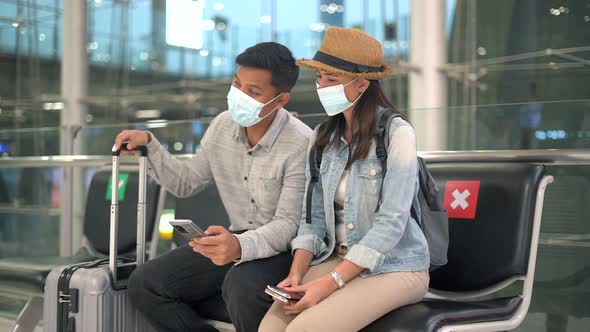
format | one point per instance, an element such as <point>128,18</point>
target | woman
<point>364,261</point>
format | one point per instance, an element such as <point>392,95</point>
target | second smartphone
<point>187,228</point>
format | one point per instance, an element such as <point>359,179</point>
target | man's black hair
<point>274,57</point>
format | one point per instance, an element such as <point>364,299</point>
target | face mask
<point>334,99</point>
<point>244,109</point>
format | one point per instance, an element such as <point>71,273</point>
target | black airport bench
<point>495,216</point>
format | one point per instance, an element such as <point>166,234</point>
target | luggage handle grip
<point>142,149</point>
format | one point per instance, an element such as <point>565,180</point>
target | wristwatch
<point>338,279</point>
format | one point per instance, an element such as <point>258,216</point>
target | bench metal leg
<point>31,314</point>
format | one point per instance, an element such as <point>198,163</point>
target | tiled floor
<point>538,322</point>
<point>6,324</point>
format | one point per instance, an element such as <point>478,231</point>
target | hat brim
<point>316,65</point>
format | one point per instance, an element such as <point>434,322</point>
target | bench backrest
<point>494,245</point>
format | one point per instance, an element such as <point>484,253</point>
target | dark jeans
<point>175,290</point>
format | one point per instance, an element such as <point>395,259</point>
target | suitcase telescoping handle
<point>114,226</point>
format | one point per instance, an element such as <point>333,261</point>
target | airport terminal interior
<point>506,80</point>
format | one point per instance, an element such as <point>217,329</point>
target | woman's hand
<point>292,280</point>
<point>315,291</point>
<point>299,267</point>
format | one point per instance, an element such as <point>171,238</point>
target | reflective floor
<point>543,322</point>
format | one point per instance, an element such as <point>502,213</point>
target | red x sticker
<point>461,199</point>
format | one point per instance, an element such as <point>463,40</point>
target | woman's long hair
<point>364,122</point>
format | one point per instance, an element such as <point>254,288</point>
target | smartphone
<point>285,294</point>
<point>187,228</point>
<point>276,296</point>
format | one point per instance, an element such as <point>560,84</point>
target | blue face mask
<point>244,109</point>
<point>334,99</point>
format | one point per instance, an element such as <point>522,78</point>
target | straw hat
<point>349,52</point>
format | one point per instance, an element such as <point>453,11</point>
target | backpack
<point>433,219</point>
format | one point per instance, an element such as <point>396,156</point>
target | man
<point>255,153</point>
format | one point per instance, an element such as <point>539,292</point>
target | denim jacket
<point>385,241</point>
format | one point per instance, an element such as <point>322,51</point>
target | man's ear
<point>283,99</point>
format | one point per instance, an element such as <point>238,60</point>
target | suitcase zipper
<point>60,300</point>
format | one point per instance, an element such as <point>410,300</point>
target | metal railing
<point>548,157</point>
<point>545,157</point>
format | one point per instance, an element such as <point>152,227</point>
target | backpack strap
<point>315,161</point>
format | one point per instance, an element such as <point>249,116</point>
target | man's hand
<point>134,138</point>
<point>221,246</point>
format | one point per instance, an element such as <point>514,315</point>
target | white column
<point>428,91</point>
<point>74,69</point>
